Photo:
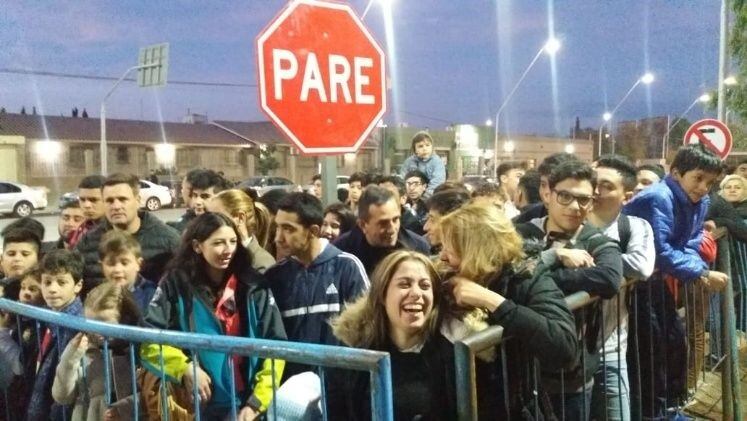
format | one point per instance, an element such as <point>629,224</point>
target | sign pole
<point>329,180</point>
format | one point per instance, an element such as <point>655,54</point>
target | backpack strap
<point>623,231</point>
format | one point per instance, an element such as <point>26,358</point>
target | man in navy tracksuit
<point>317,279</point>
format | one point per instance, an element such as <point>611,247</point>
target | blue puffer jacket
<point>433,167</point>
<point>677,223</point>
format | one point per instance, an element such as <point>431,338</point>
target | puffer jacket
<point>677,223</point>
<point>157,240</point>
<point>433,167</point>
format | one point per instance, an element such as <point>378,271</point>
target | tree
<point>267,161</point>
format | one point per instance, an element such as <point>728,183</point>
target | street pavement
<point>50,221</point>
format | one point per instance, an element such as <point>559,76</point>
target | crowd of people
<point>406,263</point>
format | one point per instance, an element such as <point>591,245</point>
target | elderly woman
<point>399,315</point>
<point>729,207</point>
<point>493,284</point>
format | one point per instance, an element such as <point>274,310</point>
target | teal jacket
<point>182,304</point>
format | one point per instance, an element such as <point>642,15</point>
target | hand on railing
<point>247,414</point>
<point>203,382</point>
<point>714,281</point>
<point>573,258</point>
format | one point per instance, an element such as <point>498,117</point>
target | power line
<point>109,78</point>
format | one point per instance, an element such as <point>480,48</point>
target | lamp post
<point>646,79</point>
<point>550,47</point>
<point>702,99</point>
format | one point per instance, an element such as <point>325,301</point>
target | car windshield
<point>254,181</point>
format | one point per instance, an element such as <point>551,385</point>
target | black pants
<point>657,351</point>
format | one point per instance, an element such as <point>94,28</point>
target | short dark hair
<point>205,179</point>
<point>116,242</point>
<point>696,157</point>
<point>398,182</point>
<point>507,166</point>
<point>419,174</point>
<point>271,199</point>
<point>451,185</point>
<point>576,170</point>
<point>654,168</point>
<point>316,177</point>
<point>360,177</point>
<point>530,183</point>
<point>21,235</point>
<point>373,195</point>
<point>26,223</point>
<point>72,204</point>
<point>419,137</point>
<point>623,165</point>
<point>306,206</point>
<point>487,189</point>
<point>446,201</point>
<point>344,214</point>
<point>120,178</point>
<point>193,174</point>
<point>551,161</point>
<point>92,182</point>
<point>61,260</point>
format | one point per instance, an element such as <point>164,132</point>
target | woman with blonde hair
<point>253,221</point>
<point>493,283</point>
<point>399,315</point>
<point>728,208</point>
<point>734,189</point>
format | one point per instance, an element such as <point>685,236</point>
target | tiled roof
<point>117,131</point>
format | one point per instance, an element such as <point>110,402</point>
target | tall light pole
<point>646,79</point>
<point>551,47</point>
<point>702,99</point>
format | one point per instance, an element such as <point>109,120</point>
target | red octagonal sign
<point>321,76</point>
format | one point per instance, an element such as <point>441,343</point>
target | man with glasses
<point>415,182</point>
<point>579,258</point>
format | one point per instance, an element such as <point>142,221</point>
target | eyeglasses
<point>414,184</point>
<point>565,198</point>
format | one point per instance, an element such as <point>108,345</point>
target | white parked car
<point>153,196</point>
<point>21,199</point>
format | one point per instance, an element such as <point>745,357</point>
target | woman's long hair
<point>364,323</point>
<point>193,264</point>
<point>258,217</point>
<point>484,238</point>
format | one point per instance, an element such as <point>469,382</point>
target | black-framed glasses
<point>565,198</point>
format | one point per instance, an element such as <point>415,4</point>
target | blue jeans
<point>611,394</point>
<point>573,403</point>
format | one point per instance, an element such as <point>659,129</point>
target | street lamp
<point>550,47</point>
<point>731,80</point>
<point>646,79</point>
<point>569,148</point>
<point>509,146</point>
<point>488,122</point>
<point>702,99</point>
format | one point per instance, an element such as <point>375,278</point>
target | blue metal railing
<point>376,363</point>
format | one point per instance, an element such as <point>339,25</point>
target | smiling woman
<point>398,315</point>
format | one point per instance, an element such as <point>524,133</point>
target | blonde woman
<point>734,189</point>
<point>252,220</point>
<point>728,208</point>
<point>492,279</point>
<point>399,315</point>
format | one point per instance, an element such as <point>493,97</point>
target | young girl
<point>108,303</point>
<point>338,220</point>
<point>210,287</point>
<point>252,220</point>
<point>19,345</point>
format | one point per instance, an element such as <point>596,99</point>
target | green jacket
<point>181,304</point>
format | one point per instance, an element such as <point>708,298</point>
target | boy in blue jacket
<point>676,209</point>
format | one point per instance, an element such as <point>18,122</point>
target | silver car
<point>264,183</point>
<point>20,199</point>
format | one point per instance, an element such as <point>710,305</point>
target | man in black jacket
<point>539,210</point>
<point>121,193</point>
<point>379,231</point>
<point>580,258</point>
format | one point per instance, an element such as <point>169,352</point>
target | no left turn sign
<point>713,134</point>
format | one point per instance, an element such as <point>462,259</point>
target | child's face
<point>18,258</point>
<point>59,289</point>
<point>106,316</point>
<point>696,183</point>
<point>121,268</point>
<point>423,149</point>
<point>30,291</point>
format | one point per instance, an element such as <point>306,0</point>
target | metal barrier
<point>378,364</point>
<point>466,350</point>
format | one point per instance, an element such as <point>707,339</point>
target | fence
<point>722,330</point>
<point>376,363</point>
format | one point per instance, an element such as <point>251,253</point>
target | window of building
<point>123,155</point>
